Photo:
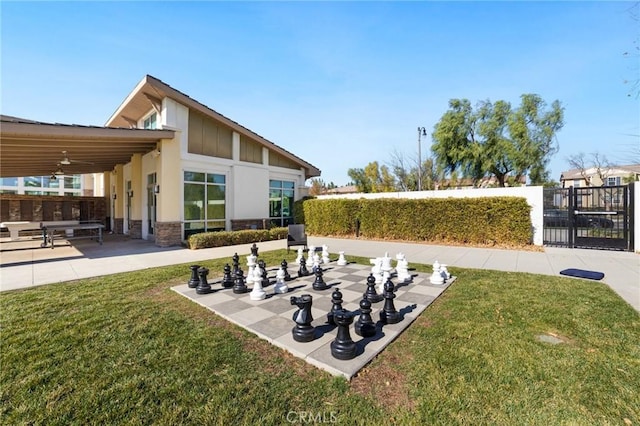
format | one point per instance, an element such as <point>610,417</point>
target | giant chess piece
<point>194,280</point>
<point>257,293</point>
<point>343,347</point>
<point>239,286</point>
<point>303,271</point>
<point>325,254</point>
<point>203,287</point>
<point>341,259</point>
<point>371,292</point>
<point>251,265</point>
<point>303,331</point>
<point>336,299</point>
<point>389,314</point>
<point>227,279</point>
<point>284,265</point>
<point>254,250</point>
<point>436,276</point>
<point>235,261</point>
<point>365,326</point>
<point>402,268</point>
<point>319,283</point>
<point>299,256</point>
<point>444,272</point>
<point>263,273</point>
<point>281,286</point>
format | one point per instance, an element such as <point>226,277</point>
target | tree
<point>495,139</point>
<point>373,178</point>
<point>317,187</point>
<point>596,162</point>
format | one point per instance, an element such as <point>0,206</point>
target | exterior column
<point>135,221</point>
<point>119,193</point>
<point>169,198</point>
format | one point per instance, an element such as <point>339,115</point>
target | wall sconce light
<point>156,189</point>
<point>155,153</point>
<point>53,176</point>
<point>130,194</point>
<point>114,196</point>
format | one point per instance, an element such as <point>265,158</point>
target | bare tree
<point>595,162</point>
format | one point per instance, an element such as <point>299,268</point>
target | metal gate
<point>590,217</point>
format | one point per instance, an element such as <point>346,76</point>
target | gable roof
<point>149,93</point>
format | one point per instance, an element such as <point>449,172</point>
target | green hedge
<point>229,238</point>
<point>483,221</point>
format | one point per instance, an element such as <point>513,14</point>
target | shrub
<point>229,238</point>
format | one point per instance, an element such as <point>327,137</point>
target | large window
<point>204,202</point>
<point>281,202</point>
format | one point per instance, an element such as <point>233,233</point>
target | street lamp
<point>421,132</point>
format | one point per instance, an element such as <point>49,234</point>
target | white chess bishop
<point>300,252</point>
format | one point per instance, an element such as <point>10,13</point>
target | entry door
<point>151,202</point>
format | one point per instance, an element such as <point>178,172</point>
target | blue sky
<point>340,84</point>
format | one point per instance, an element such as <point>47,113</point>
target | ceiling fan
<point>66,161</point>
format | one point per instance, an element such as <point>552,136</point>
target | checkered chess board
<point>272,318</point>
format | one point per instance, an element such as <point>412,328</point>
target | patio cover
<point>32,148</point>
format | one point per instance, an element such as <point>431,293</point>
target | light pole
<point>421,132</point>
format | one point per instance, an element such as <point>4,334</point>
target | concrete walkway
<point>27,265</point>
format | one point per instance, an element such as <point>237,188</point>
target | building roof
<point>610,171</point>
<point>34,148</point>
<point>149,94</point>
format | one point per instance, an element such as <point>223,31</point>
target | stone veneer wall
<point>240,224</point>
<point>135,229</point>
<point>168,234</point>
<point>118,225</point>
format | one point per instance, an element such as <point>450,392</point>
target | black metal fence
<point>589,217</point>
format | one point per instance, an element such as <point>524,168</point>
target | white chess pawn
<point>257,293</point>
<point>436,276</point>
<point>300,252</point>
<point>281,286</point>
<point>341,260</point>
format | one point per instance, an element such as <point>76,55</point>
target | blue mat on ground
<point>581,273</point>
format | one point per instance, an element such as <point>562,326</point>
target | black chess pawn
<point>389,314</point>
<point>239,285</point>
<point>371,292</point>
<point>263,272</point>
<point>365,326</point>
<point>303,331</point>
<point>254,250</point>
<point>227,279</point>
<point>203,286</point>
<point>319,283</point>
<point>284,264</point>
<point>194,280</point>
<point>343,347</point>
<point>336,299</point>
<point>303,271</point>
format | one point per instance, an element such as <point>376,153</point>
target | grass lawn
<point>126,349</point>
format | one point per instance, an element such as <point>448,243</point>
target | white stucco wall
<point>636,216</point>
<point>533,194</point>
